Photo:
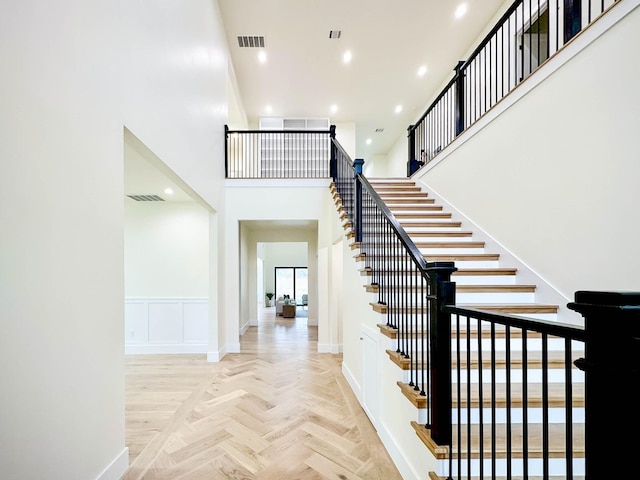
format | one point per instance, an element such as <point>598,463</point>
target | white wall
<point>74,73</point>
<point>553,177</point>
<point>298,200</point>
<point>166,250</point>
<point>166,277</point>
<point>346,136</point>
<point>282,254</point>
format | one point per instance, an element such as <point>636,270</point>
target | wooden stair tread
<point>556,441</point>
<point>452,257</point>
<point>410,201</point>
<point>393,207</point>
<point>461,272</point>
<point>460,288</point>
<point>417,398</point>
<point>452,244</point>
<point>519,308</point>
<point>556,396</point>
<point>406,216</point>
<point>435,224</point>
<point>555,360</point>
<point>444,233</point>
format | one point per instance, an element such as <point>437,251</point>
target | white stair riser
<point>555,375</point>
<point>484,279</point>
<point>449,251</point>
<point>557,468</point>
<point>534,415</point>
<point>495,297</point>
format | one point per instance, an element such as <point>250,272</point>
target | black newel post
<point>459,98</point>
<point>444,289</point>
<point>333,162</point>
<point>226,151</point>
<point>357,217</point>
<point>411,157</point>
<point>612,376</point>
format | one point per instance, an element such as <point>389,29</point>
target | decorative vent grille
<point>146,198</point>
<point>251,41</point>
<point>335,33</point>
<point>379,130</point>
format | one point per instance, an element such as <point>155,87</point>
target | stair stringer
<point>545,292</point>
<point>392,419</point>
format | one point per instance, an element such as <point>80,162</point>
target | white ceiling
<point>304,74</point>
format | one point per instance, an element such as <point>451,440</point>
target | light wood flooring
<point>279,410</point>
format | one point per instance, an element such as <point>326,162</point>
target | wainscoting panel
<point>166,325</point>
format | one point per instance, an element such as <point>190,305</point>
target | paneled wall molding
<point>166,325</point>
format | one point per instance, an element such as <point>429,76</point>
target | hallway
<point>279,410</point>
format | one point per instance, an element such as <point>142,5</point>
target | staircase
<point>483,283</point>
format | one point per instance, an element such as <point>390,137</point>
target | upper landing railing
<point>529,33</point>
<point>278,153</point>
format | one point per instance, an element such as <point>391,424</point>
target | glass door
<point>292,281</point>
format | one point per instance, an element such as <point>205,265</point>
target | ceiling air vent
<point>146,198</point>
<point>251,41</point>
<point>379,130</point>
<point>335,33</point>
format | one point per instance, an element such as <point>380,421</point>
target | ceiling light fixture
<point>368,141</point>
<point>461,10</point>
<point>346,58</point>
<point>268,109</point>
<point>422,71</point>
<point>168,191</point>
<point>398,108</point>
<point>334,108</point>
<point>262,56</point>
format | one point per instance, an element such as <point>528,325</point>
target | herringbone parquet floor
<point>277,411</point>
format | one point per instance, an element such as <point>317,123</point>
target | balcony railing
<point>529,33</point>
<point>277,153</point>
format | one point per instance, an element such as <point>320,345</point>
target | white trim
<point>278,182</point>
<point>329,348</point>
<point>216,356</point>
<point>400,461</point>
<point>246,326</point>
<point>233,348</point>
<point>182,329</point>
<point>115,470</point>
<point>166,348</point>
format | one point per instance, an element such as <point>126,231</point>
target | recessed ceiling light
<point>334,108</point>
<point>262,56</point>
<point>368,141</point>
<point>268,109</point>
<point>422,71</point>
<point>461,10</point>
<point>168,191</point>
<point>398,108</point>
<point>346,58</point>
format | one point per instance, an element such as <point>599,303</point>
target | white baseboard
<point>329,348</point>
<point>117,467</point>
<point>397,456</point>
<point>216,356</point>
<point>245,327</point>
<point>233,348</point>
<point>168,348</point>
<point>388,441</point>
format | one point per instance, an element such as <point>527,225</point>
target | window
<point>292,281</point>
